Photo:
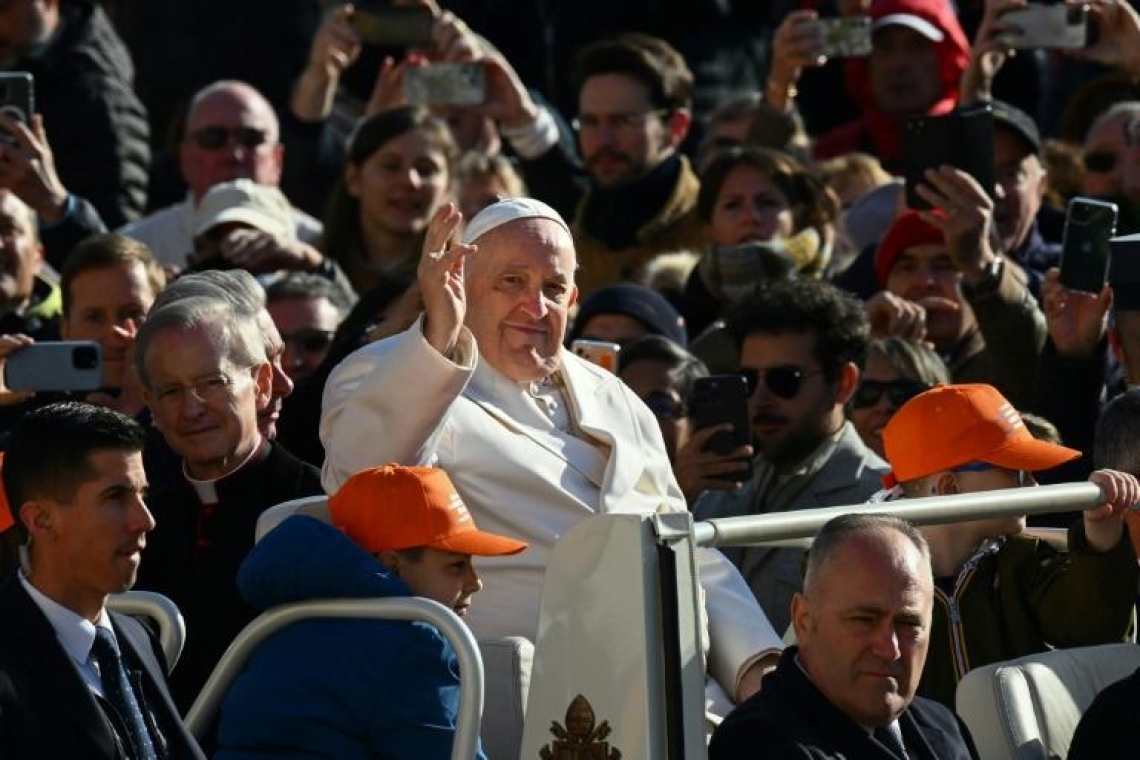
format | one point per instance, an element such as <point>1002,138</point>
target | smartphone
<point>396,26</point>
<point>1089,225</point>
<point>718,399</point>
<point>846,37</point>
<point>598,352</point>
<point>55,366</point>
<point>446,84</point>
<point>1052,25</point>
<point>963,138</point>
<point>17,99</point>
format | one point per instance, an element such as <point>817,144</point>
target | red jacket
<point>875,131</point>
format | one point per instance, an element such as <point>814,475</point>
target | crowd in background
<point>233,198</point>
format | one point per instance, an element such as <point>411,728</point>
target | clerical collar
<point>207,490</point>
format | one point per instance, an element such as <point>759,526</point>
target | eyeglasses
<point>664,405</point>
<point>309,340</point>
<point>217,137</point>
<point>589,122</point>
<point>210,389</point>
<point>783,382</point>
<point>898,392</point>
<point>1099,162</point>
<point>1022,478</point>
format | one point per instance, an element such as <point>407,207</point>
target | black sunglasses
<point>898,392</point>
<point>783,382</point>
<point>1100,162</point>
<point>216,137</point>
<point>309,340</point>
<point>665,406</point>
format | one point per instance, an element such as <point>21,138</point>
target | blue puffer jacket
<point>336,688</point>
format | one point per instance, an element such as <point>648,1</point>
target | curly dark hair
<point>836,319</point>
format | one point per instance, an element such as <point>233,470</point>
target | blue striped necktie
<point>118,693</point>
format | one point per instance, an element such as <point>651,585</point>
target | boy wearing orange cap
<point>359,688</point>
<point>999,595</point>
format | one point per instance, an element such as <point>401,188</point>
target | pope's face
<point>520,287</point>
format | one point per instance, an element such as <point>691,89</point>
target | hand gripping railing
<point>205,708</point>
<point>779,526</point>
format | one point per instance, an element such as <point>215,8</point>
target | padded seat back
<point>1028,708</point>
<point>506,682</point>
<point>161,610</point>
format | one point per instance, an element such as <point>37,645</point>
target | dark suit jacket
<point>46,708</point>
<point>193,557</point>
<point>1107,730</point>
<point>790,718</point>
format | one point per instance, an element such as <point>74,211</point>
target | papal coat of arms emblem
<point>579,739</point>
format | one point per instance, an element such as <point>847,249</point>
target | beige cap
<point>246,202</point>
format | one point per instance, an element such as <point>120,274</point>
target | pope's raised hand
<point>441,279</point>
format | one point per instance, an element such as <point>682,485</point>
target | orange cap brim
<point>1030,454</point>
<point>479,544</point>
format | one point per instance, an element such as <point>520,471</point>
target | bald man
<point>231,133</point>
<point>848,688</point>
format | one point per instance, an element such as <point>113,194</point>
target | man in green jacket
<point>999,595</point>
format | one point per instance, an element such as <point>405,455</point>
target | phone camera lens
<point>85,357</point>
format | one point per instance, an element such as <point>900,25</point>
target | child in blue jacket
<point>359,688</point>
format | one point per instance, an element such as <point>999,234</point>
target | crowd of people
<point>303,281</point>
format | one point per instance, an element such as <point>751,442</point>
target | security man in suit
<point>75,679</point>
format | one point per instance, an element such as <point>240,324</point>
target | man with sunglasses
<point>999,595</point>
<point>231,133</point>
<point>307,310</point>
<point>1104,149</point>
<point>802,348</point>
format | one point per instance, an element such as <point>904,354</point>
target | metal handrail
<point>749,530</point>
<point>171,626</point>
<point>205,707</point>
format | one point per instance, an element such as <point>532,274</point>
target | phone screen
<point>963,138</point>
<point>599,352</point>
<point>1089,225</point>
<point>847,37</point>
<point>1052,25</point>
<point>459,84</point>
<point>393,25</point>
<point>17,100</point>
<point>718,399</point>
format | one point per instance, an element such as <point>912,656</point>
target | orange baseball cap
<point>396,507</point>
<point>954,425</point>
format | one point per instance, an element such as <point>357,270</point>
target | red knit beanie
<point>908,230</point>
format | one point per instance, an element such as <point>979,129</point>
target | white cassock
<point>401,401</point>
